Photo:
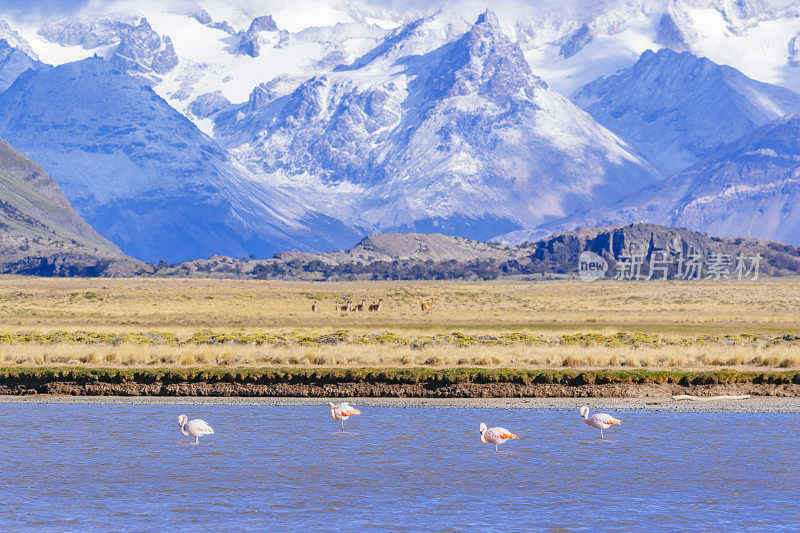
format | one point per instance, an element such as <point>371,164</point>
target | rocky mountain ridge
<point>436,256</point>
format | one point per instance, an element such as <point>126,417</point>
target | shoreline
<point>423,383</point>
<point>764,404</point>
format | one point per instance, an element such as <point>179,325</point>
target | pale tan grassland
<point>549,308</point>
<point>347,356</point>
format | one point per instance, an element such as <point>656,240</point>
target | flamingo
<point>342,411</point>
<point>495,435</point>
<point>194,428</point>
<point>600,421</point>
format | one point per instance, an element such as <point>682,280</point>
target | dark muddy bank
<point>394,383</point>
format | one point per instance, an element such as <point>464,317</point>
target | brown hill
<point>407,247</point>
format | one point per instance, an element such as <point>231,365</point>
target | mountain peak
<point>488,26</point>
<point>13,62</point>
<point>15,40</point>
<point>488,17</point>
<point>677,108</point>
<point>669,35</point>
<point>141,50</point>
<point>263,23</point>
<point>669,56</point>
<point>491,64</point>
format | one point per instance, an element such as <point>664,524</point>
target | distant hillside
<point>40,232</point>
<point>406,247</point>
<point>436,256</point>
<point>661,246</point>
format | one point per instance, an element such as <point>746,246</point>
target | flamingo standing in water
<point>194,428</point>
<point>495,435</point>
<point>342,411</point>
<point>600,421</point>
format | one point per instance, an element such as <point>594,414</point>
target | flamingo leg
<point>495,447</point>
<point>197,440</point>
<point>601,434</point>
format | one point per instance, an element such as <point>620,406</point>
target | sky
<point>47,7</point>
<point>41,6</point>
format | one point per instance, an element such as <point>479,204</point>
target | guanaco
<point>360,307</point>
<point>427,306</point>
<point>314,307</point>
<point>376,307</point>
<point>345,307</point>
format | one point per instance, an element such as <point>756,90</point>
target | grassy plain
<point>211,323</point>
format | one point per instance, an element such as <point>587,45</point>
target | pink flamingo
<point>194,428</point>
<point>600,421</point>
<point>495,435</point>
<point>342,411</point>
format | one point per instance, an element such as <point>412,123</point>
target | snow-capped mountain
<point>677,108</point>
<point>459,137</point>
<point>383,115</point>
<point>568,44</point>
<point>143,175</point>
<point>131,46</point>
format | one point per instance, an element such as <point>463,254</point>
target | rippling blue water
<point>128,468</point>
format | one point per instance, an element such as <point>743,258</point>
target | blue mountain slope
<point>750,187</point>
<point>144,176</point>
<point>677,108</point>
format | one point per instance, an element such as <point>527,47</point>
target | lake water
<point>128,468</point>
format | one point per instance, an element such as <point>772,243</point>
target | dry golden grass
<point>523,357</point>
<point>184,306</point>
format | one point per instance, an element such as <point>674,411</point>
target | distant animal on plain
<point>376,307</point>
<point>360,307</point>
<point>427,306</point>
<point>342,411</point>
<point>194,428</point>
<point>495,435</point>
<point>345,307</point>
<point>314,307</point>
<point>600,421</point>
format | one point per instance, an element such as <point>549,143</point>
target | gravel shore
<point>750,405</point>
